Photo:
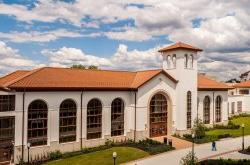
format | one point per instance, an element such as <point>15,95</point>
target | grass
<point>104,157</point>
<point>233,132</point>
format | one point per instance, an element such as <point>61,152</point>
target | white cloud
<point>11,60</point>
<point>37,36</point>
<point>122,59</point>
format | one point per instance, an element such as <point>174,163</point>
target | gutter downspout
<point>81,121</point>
<point>135,115</point>
<point>23,126</point>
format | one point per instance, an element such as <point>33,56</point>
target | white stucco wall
<point>245,99</point>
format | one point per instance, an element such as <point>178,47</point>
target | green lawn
<point>124,154</point>
<point>233,132</point>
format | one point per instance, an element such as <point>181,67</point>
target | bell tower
<point>180,61</point>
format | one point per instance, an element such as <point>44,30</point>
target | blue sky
<point>122,35</point>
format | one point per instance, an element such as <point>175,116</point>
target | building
<point>69,109</point>
<point>239,98</point>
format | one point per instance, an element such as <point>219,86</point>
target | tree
<point>189,159</point>
<point>93,67</point>
<point>78,66</point>
<point>199,129</point>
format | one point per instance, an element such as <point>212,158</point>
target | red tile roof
<point>82,79</point>
<point>245,84</point>
<point>206,83</point>
<point>179,45</point>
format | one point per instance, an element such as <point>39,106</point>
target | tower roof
<point>179,45</point>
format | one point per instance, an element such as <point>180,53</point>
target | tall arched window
<point>206,110</point>
<point>158,115</point>
<point>117,117</point>
<point>189,109</point>
<point>169,61</point>
<point>67,128</point>
<point>191,61</point>
<point>37,123</point>
<point>174,61</point>
<point>218,103</point>
<point>186,61</point>
<point>94,119</point>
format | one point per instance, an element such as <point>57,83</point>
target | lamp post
<point>114,156</point>
<point>193,136</point>
<point>243,134</point>
<point>28,146</point>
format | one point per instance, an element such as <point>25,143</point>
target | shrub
<point>230,125</point>
<point>188,159</point>
<point>55,155</point>
<point>199,128</point>
<point>224,136</point>
<point>248,149</point>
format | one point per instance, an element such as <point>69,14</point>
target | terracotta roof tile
<point>206,83</point>
<point>12,77</point>
<point>66,78</point>
<point>245,84</point>
<point>179,45</point>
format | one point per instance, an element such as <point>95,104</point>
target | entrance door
<point>7,125</point>
<point>158,115</point>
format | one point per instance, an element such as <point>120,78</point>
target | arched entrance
<point>158,115</point>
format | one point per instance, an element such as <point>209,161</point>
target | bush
<point>55,155</point>
<point>225,162</point>
<point>248,149</point>
<point>224,136</point>
<point>230,125</point>
<point>188,159</point>
<point>199,128</point>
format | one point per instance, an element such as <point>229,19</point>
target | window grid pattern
<point>117,117</point>
<point>206,110</point>
<point>189,109</point>
<point>37,123</point>
<point>7,103</point>
<point>94,119</point>
<point>218,104</point>
<point>158,115</point>
<point>233,107</point>
<point>239,106</point>
<point>7,134</point>
<point>67,129</point>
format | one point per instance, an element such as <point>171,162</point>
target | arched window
<point>186,61</point>
<point>218,103</point>
<point>158,115</point>
<point>174,61</point>
<point>191,61</point>
<point>117,117</point>
<point>169,61</point>
<point>206,110</point>
<point>37,123</point>
<point>94,119</point>
<point>189,109</point>
<point>67,128</point>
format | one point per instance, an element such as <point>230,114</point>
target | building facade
<point>70,109</point>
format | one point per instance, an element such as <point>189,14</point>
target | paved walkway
<point>177,142</point>
<point>202,152</point>
<point>233,155</point>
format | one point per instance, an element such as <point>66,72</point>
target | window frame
<point>218,109</point>
<point>206,110</point>
<point>7,103</point>
<point>117,117</point>
<point>189,109</point>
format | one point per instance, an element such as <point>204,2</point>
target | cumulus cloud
<point>122,59</point>
<point>37,36</point>
<point>12,60</point>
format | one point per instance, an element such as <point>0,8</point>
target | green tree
<point>199,129</point>
<point>78,66</point>
<point>93,67</point>
<point>189,159</point>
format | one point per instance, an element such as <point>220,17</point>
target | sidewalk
<point>202,151</point>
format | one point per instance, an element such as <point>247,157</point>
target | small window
<point>239,106</point>
<point>186,61</point>
<point>7,103</point>
<point>169,61</point>
<point>174,60</point>
<point>191,61</point>
<point>244,92</point>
